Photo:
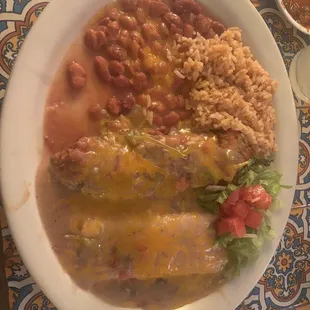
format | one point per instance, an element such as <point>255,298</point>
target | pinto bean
<point>95,40</point>
<point>116,68</point>
<point>141,16</point>
<point>124,33</point>
<point>158,120</point>
<point>76,75</point>
<point>90,38</point>
<point>158,9</point>
<point>149,32</point>
<point>139,82</point>
<point>129,71</point>
<point>114,107</point>
<point>104,21</point>
<point>101,68</point>
<point>102,28</point>
<point>95,112</point>
<point>210,34</point>
<point>101,39</point>
<point>218,28</point>
<point>188,18</point>
<point>113,13</point>
<point>144,5</point>
<point>136,64</point>
<point>116,52</point>
<point>128,22</point>
<point>142,100</point>
<point>112,30</point>
<point>171,18</point>
<point>123,42</point>
<point>203,24</point>
<point>158,107</point>
<point>127,103</point>
<point>188,30</point>
<point>121,81</point>
<point>181,6</point>
<point>129,5</point>
<point>136,36</point>
<point>131,67</point>
<point>133,49</point>
<point>163,30</point>
<point>123,39</point>
<point>176,29</point>
<point>171,119</point>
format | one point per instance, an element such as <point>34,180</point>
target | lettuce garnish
<point>244,251</point>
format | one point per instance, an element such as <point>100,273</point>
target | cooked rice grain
<point>231,90</point>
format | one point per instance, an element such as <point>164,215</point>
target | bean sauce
<point>299,10</point>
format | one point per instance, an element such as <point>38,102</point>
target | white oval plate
<point>22,142</point>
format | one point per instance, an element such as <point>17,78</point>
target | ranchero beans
<point>95,39</point>
<point>102,69</point>
<point>77,75</point>
<point>130,44</point>
<point>116,68</point>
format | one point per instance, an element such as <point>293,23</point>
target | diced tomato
<point>222,227</point>
<point>226,209</point>
<point>253,219</point>
<point>257,196</point>
<point>264,203</point>
<point>234,225</point>
<point>241,209</point>
<point>234,196</point>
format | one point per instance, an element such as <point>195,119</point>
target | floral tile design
<point>286,281</point>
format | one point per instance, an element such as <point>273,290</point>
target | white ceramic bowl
<point>283,9</point>
<point>22,141</point>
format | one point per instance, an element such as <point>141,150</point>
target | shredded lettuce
<point>244,251</point>
<point>211,200</point>
<point>259,172</point>
<point>241,252</point>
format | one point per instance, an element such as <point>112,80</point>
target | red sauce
<point>299,10</point>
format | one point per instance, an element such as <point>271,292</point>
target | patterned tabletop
<point>286,281</point>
